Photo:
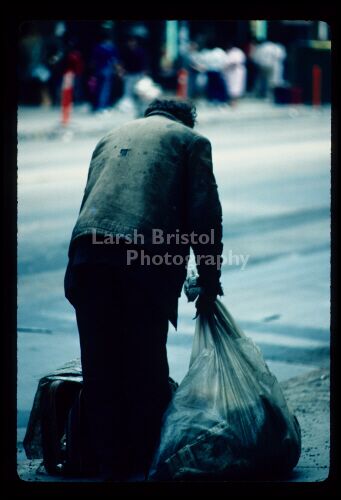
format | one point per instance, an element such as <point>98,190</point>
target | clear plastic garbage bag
<point>229,416</point>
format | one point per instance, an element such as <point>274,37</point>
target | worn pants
<point>124,361</point>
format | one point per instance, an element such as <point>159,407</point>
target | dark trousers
<point>124,361</point>
<point>216,87</point>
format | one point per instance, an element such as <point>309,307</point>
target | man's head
<point>183,110</point>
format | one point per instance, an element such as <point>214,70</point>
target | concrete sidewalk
<point>40,122</point>
<point>308,397</point>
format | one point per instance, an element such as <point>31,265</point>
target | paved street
<point>272,167</point>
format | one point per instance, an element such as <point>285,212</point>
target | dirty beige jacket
<point>153,173</point>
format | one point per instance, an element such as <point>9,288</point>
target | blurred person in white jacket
<point>269,58</point>
<point>235,72</point>
<point>214,60</point>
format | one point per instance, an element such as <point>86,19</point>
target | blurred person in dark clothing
<point>214,60</point>
<point>151,174</point>
<point>105,59</point>
<point>134,63</point>
<point>55,55</point>
<point>74,62</point>
<point>34,74</point>
<point>191,61</point>
<point>251,66</point>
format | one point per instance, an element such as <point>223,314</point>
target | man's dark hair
<point>182,109</point>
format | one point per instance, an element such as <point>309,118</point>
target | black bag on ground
<point>55,430</point>
<point>56,401</point>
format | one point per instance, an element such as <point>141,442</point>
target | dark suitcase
<point>56,401</point>
<point>55,430</point>
<point>66,449</point>
<point>287,95</point>
<point>282,95</point>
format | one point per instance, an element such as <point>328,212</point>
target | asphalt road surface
<point>273,176</point>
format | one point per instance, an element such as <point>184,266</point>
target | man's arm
<point>205,215</point>
<point>89,182</point>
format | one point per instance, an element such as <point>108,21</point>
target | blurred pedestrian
<point>145,90</point>
<point>55,55</point>
<point>235,72</point>
<point>34,73</point>
<point>269,57</point>
<point>134,62</point>
<point>191,62</point>
<point>105,59</point>
<point>74,62</point>
<point>251,67</point>
<point>138,177</point>
<point>214,60</point>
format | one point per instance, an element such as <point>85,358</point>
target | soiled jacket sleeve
<point>204,214</point>
<point>95,158</point>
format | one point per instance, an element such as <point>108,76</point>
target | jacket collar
<point>164,113</point>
